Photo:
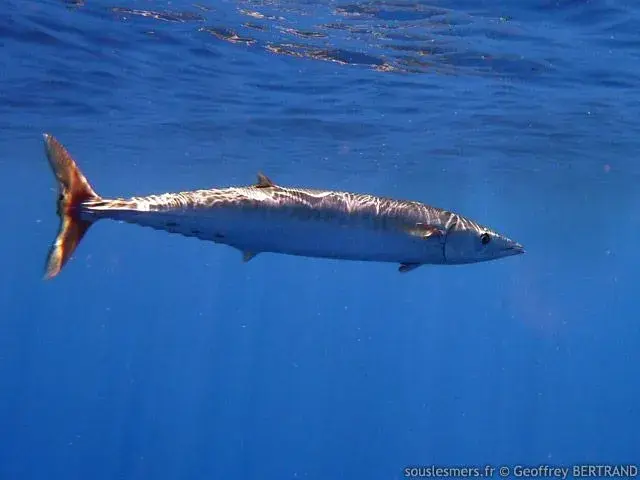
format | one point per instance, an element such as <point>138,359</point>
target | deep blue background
<point>159,357</point>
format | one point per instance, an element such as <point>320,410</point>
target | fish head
<point>470,242</point>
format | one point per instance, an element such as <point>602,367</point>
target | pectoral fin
<point>425,231</point>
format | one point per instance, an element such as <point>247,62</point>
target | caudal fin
<point>73,189</point>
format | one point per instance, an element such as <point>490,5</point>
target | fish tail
<point>73,190</point>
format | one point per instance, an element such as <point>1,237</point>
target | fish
<point>265,217</point>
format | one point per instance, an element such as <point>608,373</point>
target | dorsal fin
<point>264,181</point>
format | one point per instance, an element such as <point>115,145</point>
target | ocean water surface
<point>154,356</point>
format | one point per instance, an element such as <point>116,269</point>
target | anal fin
<point>247,256</point>
<point>407,267</point>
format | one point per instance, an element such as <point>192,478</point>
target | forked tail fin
<point>73,189</point>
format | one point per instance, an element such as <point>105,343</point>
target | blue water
<point>154,356</point>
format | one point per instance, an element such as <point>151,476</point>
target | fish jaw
<point>469,242</point>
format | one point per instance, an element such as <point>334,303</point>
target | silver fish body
<point>266,217</point>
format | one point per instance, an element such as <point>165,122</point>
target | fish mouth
<point>515,249</point>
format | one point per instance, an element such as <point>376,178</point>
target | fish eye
<point>485,238</point>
